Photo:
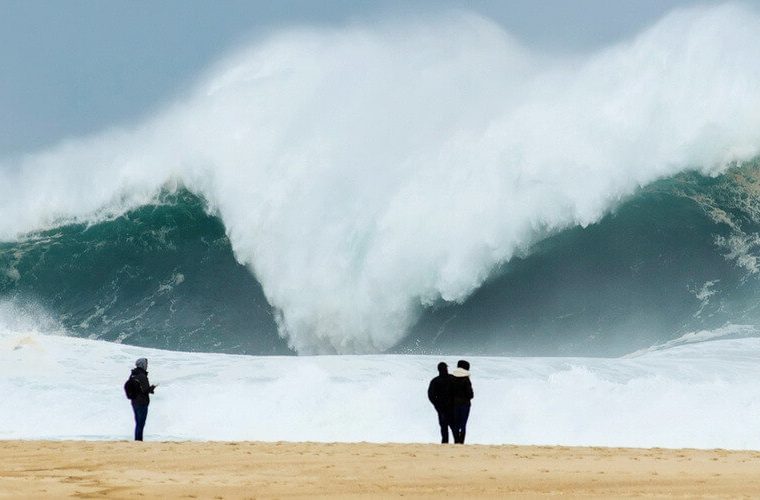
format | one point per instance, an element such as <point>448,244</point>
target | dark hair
<point>463,364</point>
<point>442,367</point>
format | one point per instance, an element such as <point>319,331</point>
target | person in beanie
<point>461,394</point>
<point>141,399</point>
<point>439,394</point>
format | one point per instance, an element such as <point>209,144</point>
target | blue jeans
<point>141,414</point>
<point>461,414</point>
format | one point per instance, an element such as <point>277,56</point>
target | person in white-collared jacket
<point>461,394</point>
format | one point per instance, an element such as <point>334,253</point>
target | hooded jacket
<point>461,387</point>
<point>143,398</point>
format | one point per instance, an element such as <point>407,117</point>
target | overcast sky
<point>69,68</point>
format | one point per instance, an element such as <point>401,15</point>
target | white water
<point>701,395</point>
<point>366,171</point>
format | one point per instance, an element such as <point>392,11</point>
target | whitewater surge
<point>365,172</point>
<point>701,395</point>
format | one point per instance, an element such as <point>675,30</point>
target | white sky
<point>75,67</point>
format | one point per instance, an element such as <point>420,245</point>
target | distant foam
<point>364,172</point>
<point>726,331</point>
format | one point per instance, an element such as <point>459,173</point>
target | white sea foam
<point>366,171</point>
<point>701,395</point>
<point>725,331</point>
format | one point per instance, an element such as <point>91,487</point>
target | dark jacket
<point>143,397</point>
<point>439,392</point>
<point>461,387</point>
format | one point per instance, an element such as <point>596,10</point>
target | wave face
<point>162,275</point>
<point>678,258</point>
<point>368,173</point>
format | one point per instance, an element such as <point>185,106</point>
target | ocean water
<point>678,256</point>
<point>584,227</point>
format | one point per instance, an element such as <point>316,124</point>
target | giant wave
<point>678,257</point>
<point>422,187</point>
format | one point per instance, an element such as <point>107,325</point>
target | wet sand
<point>91,469</point>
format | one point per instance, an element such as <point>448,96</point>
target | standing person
<point>439,394</point>
<point>461,394</point>
<point>139,392</point>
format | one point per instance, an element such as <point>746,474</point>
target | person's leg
<point>141,414</point>
<point>463,413</point>
<point>443,422</point>
<point>455,424</point>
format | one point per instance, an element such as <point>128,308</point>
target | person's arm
<point>469,388</point>
<point>145,387</point>
<point>431,393</point>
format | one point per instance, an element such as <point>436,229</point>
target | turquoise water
<point>678,256</point>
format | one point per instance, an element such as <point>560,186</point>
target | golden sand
<point>86,469</point>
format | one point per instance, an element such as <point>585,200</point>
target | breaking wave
<point>431,185</point>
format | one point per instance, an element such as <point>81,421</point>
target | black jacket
<point>439,392</point>
<point>461,390</point>
<point>143,397</point>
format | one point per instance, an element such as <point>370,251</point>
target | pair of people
<point>450,395</point>
<point>139,393</point>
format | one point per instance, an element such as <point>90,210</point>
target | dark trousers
<point>445,420</point>
<point>461,414</point>
<point>141,414</point>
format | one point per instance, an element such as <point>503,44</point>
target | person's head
<point>465,365</point>
<point>142,363</point>
<point>443,368</point>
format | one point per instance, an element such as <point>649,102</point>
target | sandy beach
<point>39,469</point>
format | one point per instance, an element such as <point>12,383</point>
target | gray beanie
<point>142,363</point>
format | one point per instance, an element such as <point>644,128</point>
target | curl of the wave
<point>367,171</point>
